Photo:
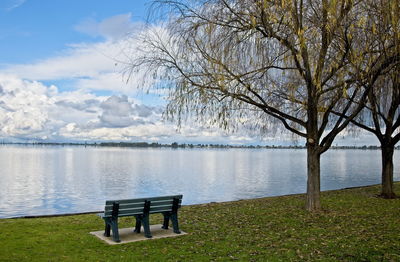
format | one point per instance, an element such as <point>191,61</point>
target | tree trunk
<point>387,171</point>
<point>313,177</point>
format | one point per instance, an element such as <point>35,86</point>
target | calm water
<point>57,180</point>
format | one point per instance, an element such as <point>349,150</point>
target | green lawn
<point>354,225</point>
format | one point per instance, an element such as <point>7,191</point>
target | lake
<point>43,180</point>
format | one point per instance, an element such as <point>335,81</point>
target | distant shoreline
<point>185,146</point>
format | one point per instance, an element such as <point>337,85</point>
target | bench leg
<point>107,229</point>
<point>138,224</point>
<point>174,219</point>
<point>112,224</point>
<point>114,228</point>
<point>146,226</point>
<point>143,219</point>
<point>166,219</point>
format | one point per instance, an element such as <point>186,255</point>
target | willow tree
<point>381,117</point>
<point>381,114</point>
<point>231,61</point>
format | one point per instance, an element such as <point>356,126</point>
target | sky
<point>61,78</point>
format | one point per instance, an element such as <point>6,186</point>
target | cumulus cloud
<point>117,112</point>
<point>145,111</point>
<point>120,112</point>
<point>84,105</point>
<point>24,107</point>
<point>32,110</point>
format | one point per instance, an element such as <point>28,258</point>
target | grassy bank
<point>354,226</point>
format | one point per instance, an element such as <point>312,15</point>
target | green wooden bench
<point>141,208</point>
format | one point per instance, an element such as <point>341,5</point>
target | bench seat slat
<point>151,212</point>
<point>138,211</point>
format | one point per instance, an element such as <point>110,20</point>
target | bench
<point>141,208</point>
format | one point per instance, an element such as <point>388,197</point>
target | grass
<point>354,225</point>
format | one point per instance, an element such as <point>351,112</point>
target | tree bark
<point>387,151</point>
<point>313,177</point>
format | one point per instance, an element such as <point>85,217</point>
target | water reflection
<point>53,180</point>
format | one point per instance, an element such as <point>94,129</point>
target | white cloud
<point>25,107</point>
<point>118,112</point>
<point>31,110</point>
<point>80,61</point>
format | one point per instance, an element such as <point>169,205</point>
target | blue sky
<point>34,29</point>
<point>61,78</point>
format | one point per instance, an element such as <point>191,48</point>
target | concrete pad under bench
<point>127,235</point>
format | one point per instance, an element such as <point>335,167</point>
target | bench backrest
<point>130,207</point>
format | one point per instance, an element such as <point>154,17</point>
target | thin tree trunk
<point>313,178</point>
<point>387,171</point>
